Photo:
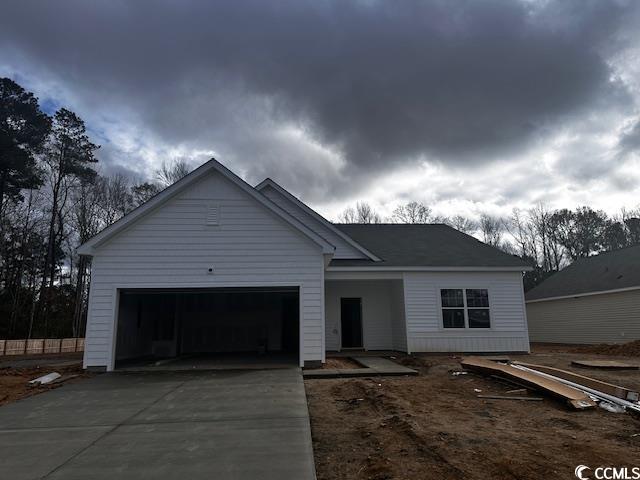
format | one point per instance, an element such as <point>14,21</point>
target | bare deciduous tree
<point>362,213</point>
<point>412,212</point>
<point>492,229</point>
<point>170,173</point>
<point>631,221</point>
<point>523,233</point>
<point>463,224</point>
<point>551,251</point>
<point>142,192</point>
<point>116,197</point>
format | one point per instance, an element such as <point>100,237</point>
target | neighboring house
<point>212,264</point>
<point>593,300</point>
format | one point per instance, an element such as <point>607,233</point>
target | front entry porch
<point>365,314</point>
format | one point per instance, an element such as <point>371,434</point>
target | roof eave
<point>414,268</point>
<point>269,182</point>
<point>583,294</point>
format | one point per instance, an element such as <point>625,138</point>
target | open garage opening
<point>200,328</point>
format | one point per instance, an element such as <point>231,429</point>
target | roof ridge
<point>600,270</point>
<point>385,224</point>
<point>613,251</point>
<point>599,255</point>
<point>291,198</point>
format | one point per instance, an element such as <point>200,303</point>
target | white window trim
<point>466,327</point>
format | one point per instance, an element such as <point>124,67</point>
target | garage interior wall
<point>166,323</point>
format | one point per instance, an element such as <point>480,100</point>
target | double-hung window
<point>465,308</point>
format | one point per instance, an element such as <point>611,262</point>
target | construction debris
<point>517,390</point>
<point>508,381</point>
<point>615,390</point>
<point>604,364</point>
<point>575,398</point>
<point>431,417</point>
<point>633,407</point>
<point>508,397</point>
<point>64,378</point>
<point>612,407</point>
<point>578,391</point>
<point>43,380</point>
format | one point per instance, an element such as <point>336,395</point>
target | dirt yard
<point>434,426</point>
<point>339,363</point>
<point>15,373</point>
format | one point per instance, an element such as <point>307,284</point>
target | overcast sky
<point>468,106</point>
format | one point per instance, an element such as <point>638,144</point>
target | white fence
<point>37,346</point>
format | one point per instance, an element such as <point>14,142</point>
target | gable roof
<point>425,245</point>
<point>267,182</point>
<point>88,247</point>
<point>616,270</point>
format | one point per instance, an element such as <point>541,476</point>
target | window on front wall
<point>465,308</point>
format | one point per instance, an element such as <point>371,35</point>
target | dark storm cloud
<point>630,140</point>
<point>380,83</point>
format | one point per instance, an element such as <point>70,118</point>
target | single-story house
<point>212,264</point>
<point>593,300</point>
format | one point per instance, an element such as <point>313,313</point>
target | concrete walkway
<point>371,366</point>
<point>171,425</point>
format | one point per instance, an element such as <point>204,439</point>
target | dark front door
<point>351,322</point>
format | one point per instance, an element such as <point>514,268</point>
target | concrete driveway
<point>162,425</point>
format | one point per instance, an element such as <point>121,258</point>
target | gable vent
<point>213,215</point>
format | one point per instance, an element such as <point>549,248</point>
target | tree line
<point>52,199</point>
<point>547,239</point>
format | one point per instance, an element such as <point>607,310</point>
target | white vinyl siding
<point>343,248</point>
<point>173,246</point>
<point>399,322</point>
<point>603,318</point>
<point>508,332</point>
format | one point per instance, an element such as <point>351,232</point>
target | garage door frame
<point>146,286</point>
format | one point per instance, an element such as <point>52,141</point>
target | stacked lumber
<point>605,364</point>
<point>573,397</point>
<point>609,388</point>
<point>578,391</point>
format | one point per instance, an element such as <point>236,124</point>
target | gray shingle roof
<point>430,245</point>
<point>607,271</point>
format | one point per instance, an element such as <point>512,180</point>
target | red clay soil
<point>14,381</point>
<point>434,426</point>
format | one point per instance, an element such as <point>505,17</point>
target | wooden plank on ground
<point>609,388</point>
<point>605,364</point>
<point>573,397</point>
<point>519,390</point>
<point>508,381</point>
